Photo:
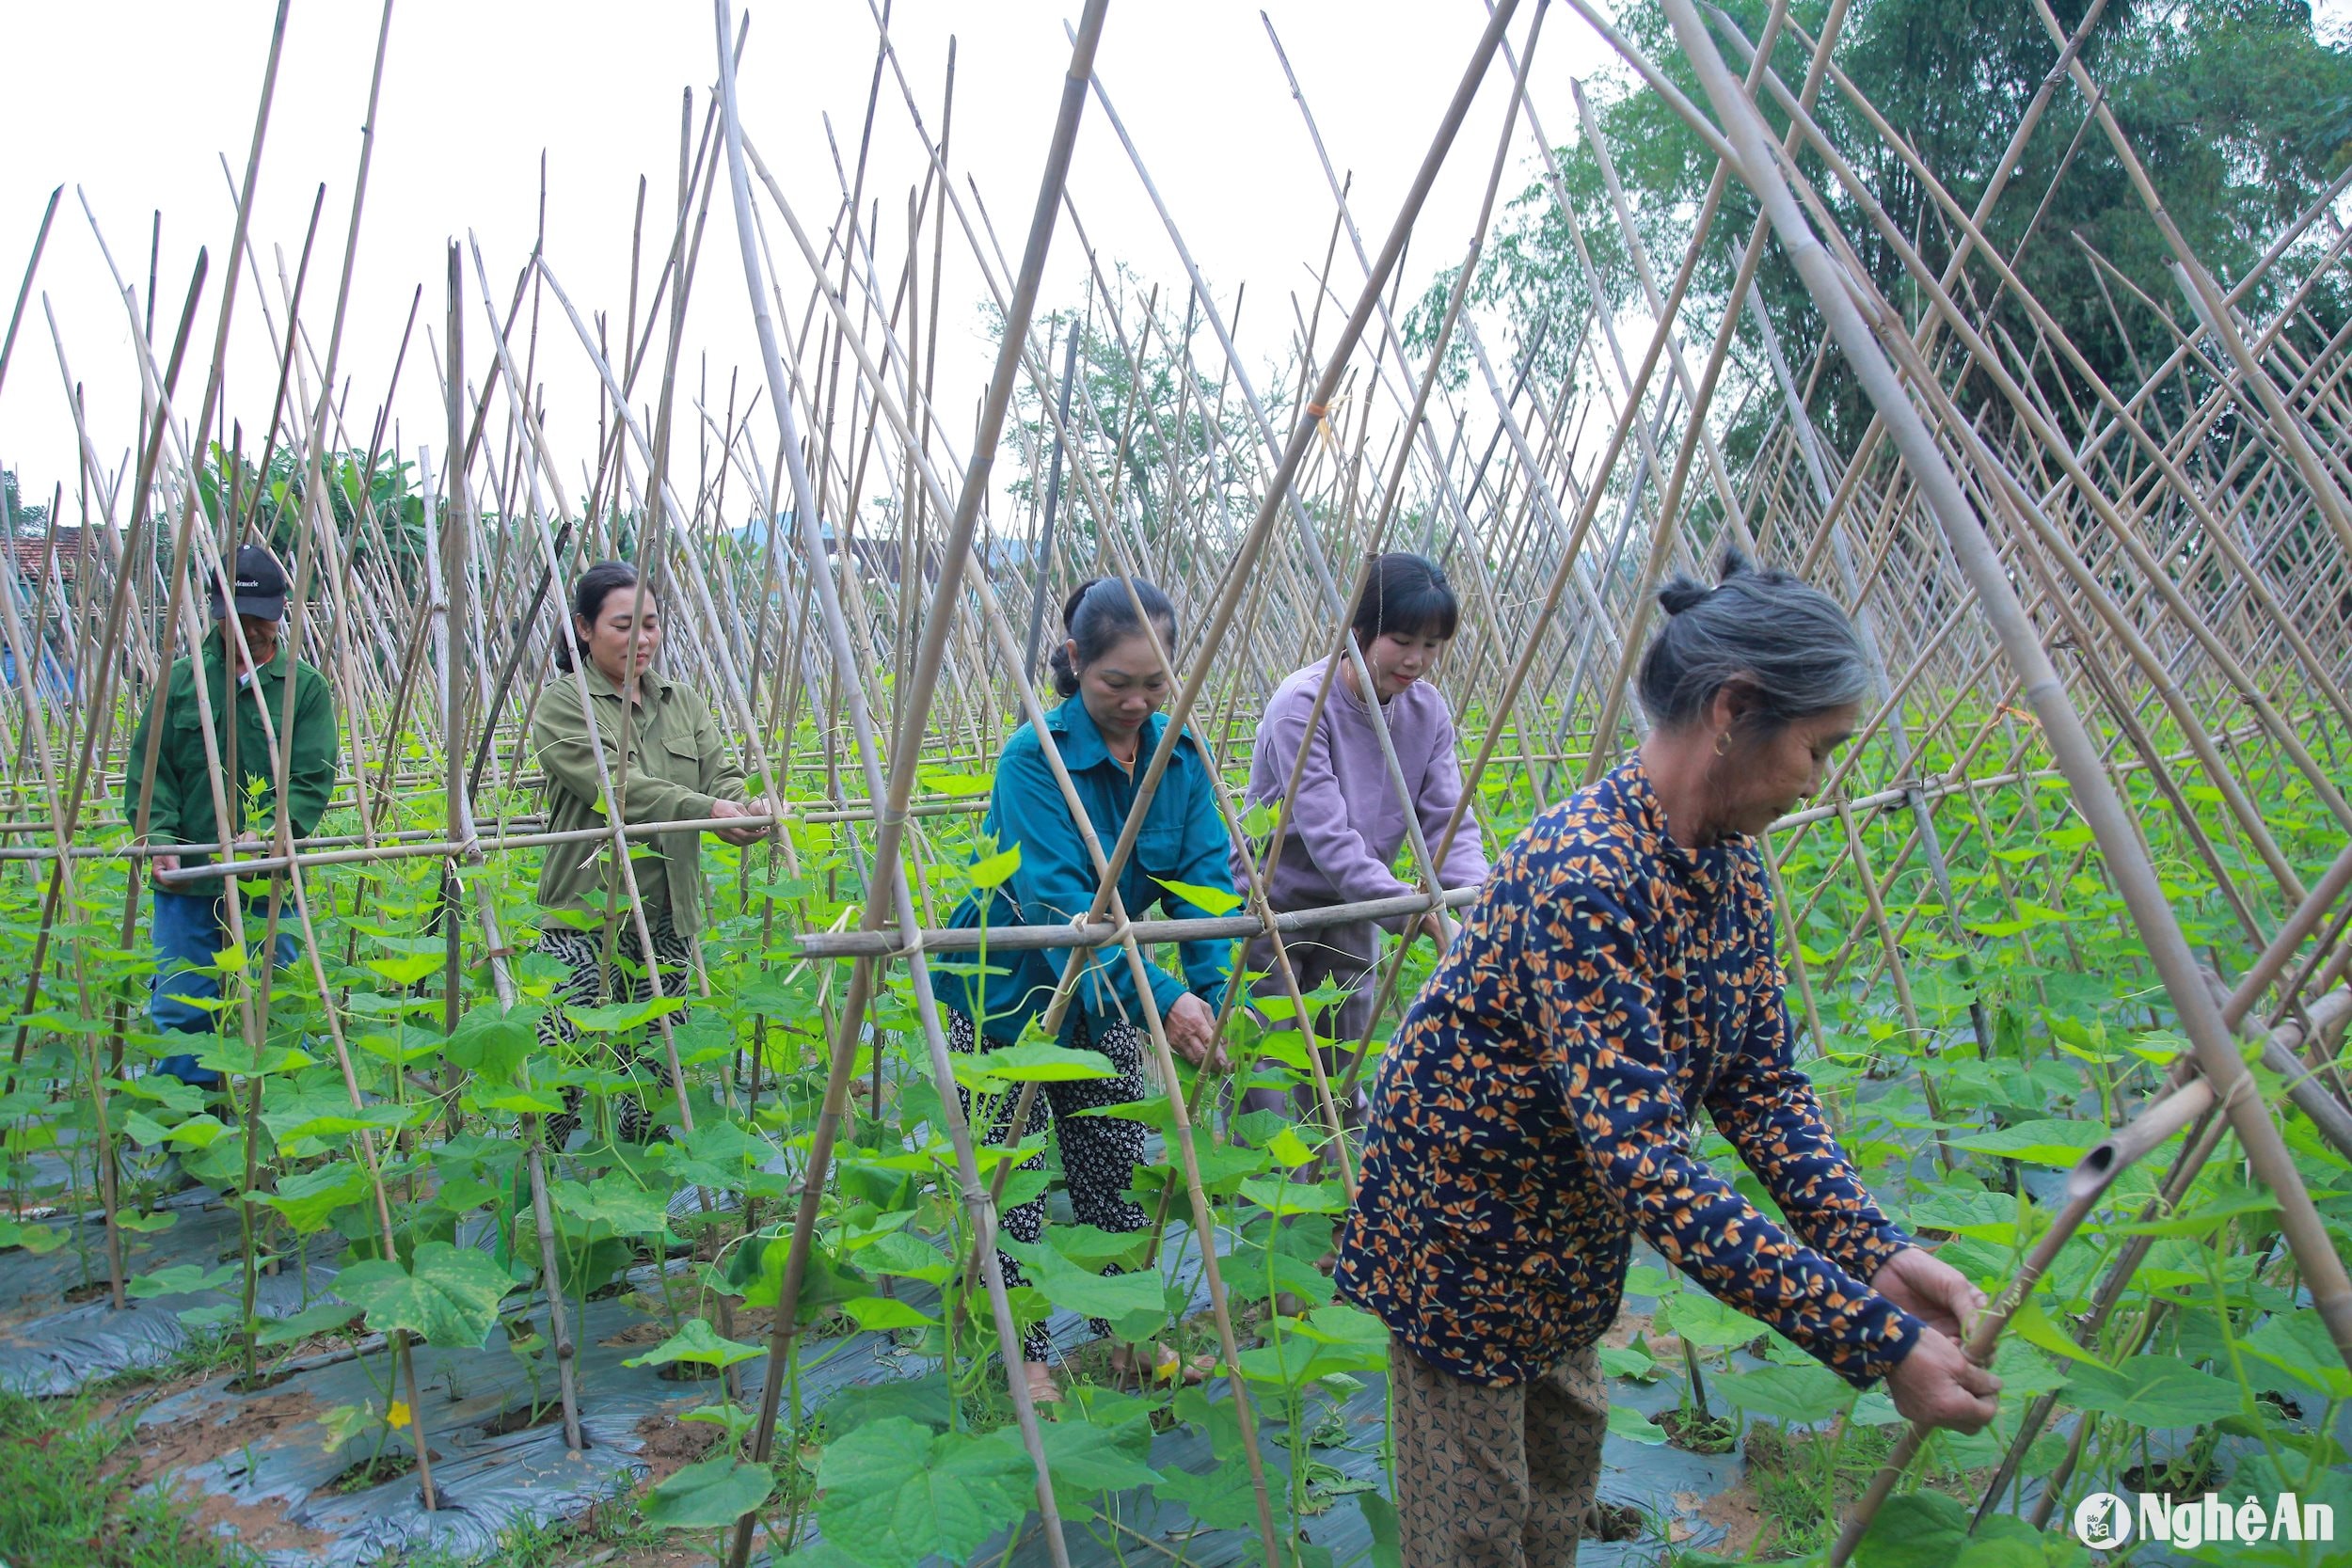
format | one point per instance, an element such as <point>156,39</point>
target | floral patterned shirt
<point>1535,1110</point>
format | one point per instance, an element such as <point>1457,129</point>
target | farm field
<point>457,1263</point>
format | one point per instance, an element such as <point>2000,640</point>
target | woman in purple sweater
<point>1346,821</point>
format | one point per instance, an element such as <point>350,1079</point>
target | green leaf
<point>946,783</point>
<point>326,1317</point>
<point>329,1113</point>
<point>1222,1500</point>
<point>450,1298</point>
<point>1626,1362</point>
<point>876,1313</point>
<point>143,1130</point>
<point>1798,1394</point>
<point>1134,1303</point>
<point>612,1199</point>
<point>613,1017</point>
<point>709,1496</point>
<point>2055,1143</point>
<point>230,1055</point>
<point>38,1240</point>
<point>1295,1198</point>
<point>825,1281</point>
<point>2155,1392</point>
<point>1708,1322</point>
<point>2033,1325</point>
<point>180,1280</point>
<point>1342,1324</point>
<point>995,870</point>
<point>2205,1217</point>
<point>893,1492</point>
<point>1914,1529</point>
<point>404,971</point>
<point>2298,1343</point>
<point>491,1044</point>
<point>1387,1540</point>
<point>697,1342</point>
<point>199,1132</point>
<point>1629,1424</point>
<point>1289,1150</point>
<point>1090,1458</point>
<point>1215,900</point>
<point>908,1256</point>
<point>310,1200</point>
<point>1041,1062</point>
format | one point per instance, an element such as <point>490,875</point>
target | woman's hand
<point>1191,1033</point>
<point>1432,925</point>
<point>1937,1383</point>
<point>742,835</point>
<point>1931,1290</point>
<point>1937,1386</point>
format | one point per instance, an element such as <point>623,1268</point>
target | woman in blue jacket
<point>1105,730</point>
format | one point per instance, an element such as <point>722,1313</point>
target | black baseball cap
<point>261,586</point>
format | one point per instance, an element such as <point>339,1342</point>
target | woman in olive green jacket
<point>676,770</point>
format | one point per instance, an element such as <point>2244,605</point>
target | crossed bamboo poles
<point>2077,500</point>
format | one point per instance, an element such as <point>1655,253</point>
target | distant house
<point>30,554</point>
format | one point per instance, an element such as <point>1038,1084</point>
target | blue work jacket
<point>1182,840</point>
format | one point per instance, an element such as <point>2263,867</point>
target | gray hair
<point>1767,631</point>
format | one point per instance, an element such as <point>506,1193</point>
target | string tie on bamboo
<point>1115,937</point>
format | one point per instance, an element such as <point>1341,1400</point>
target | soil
<point>1621,1334</point>
<point>522,1419</point>
<point>87,1291</point>
<point>1739,1512</point>
<point>373,1470</point>
<point>660,1557</point>
<point>651,1332</point>
<point>671,1445</point>
<point>257,1423</point>
<point>261,1422</point>
<point>262,1526</point>
<point>1606,1521</point>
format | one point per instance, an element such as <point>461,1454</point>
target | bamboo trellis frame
<point>872,619</point>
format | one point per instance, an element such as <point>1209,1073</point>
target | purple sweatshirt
<point>1347,825</point>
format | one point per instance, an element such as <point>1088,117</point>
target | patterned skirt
<point>581,953</point>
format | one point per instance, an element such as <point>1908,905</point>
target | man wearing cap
<point>190,923</point>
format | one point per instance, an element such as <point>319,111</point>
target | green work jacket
<point>678,769</point>
<point>181,809</point>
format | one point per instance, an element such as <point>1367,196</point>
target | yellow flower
<point>398,1414</point>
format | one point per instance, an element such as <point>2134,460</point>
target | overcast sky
<point>134,104</point>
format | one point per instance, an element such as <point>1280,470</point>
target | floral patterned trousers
<point>1492,1477</point>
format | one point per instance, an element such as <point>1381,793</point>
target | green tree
<point>2238,109</point>
<point>27,517</point>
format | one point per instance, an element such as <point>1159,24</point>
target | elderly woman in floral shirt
<point>1535,1110</point>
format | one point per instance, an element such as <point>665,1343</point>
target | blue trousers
<point>190,930</point>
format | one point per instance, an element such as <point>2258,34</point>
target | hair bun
<point>1682,594</point>
<point>1735,564</point>
<point>1077,596</point>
